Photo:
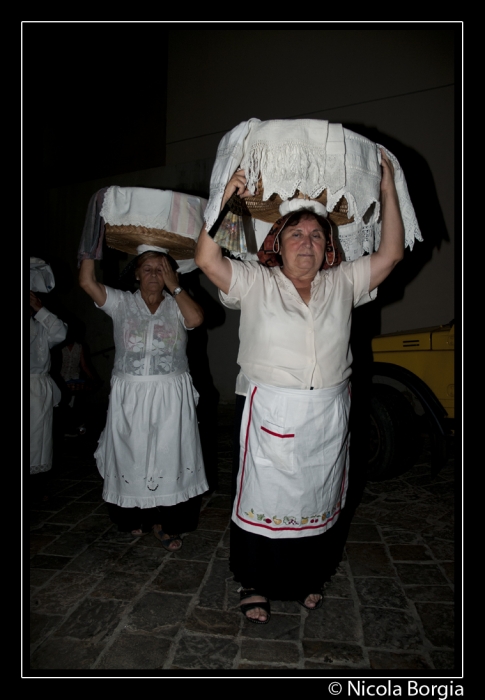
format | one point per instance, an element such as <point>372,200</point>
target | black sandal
<point>249,593</point>
<point>317,606</point>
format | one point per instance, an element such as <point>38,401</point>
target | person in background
<point>149,453</point>
<point>46,331</point>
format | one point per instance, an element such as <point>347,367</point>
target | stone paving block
<point>390,629</point>
<point>37,577</point>
<point>409,552</point>
<point>338,587</point>
<point>205,652</point>
<point>93,620</point>
<point>277,671</point>
<point>38,542</point>
<point>213,593</point>
<point>337,619</point>
<point>439,529</point>
<point>119,585</point>
<point>439,623</point>
<point>283,606</point>
<point>427,574</point>
<point>330,668</point>
<point>381,592</point>
<point>78,489</point>
<point>97,559</point>
<point>444,660</point>
<point>46,561</point>
<point>180,576</point>
<point>135,652</point>
<point>70,544</point>
<point>42,625</point>
<point>270,651</point>
<point>221,501</point>
<point>449,569</point>
<point>363,533</point>
<point>395,536</point>
<point>214,519</point>
<point>332,652</point>
<point>393,661</point>
<point>367,559</point>
<point>214,622</point>
<point>441,549</point>
<point>72,514</point>
<point>141,560</point>
<point>114,537</point>
<point>52,505</point>
<point>50,529</point>
<point>434,594</point>
<point>280,627</point>
<point>160,614</point>
<point>93,525</point>
<point>94,495</point>
<point>65,654</point>
<point>198,545</point>
<point>67,589</point>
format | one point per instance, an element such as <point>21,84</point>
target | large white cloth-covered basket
<point>309,158</point>
<point>170,220</point>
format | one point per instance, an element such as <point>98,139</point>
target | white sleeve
<point>56,329</point>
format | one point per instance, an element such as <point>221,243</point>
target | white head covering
<point>145,248</point>
<point>41,276</point>
<point>291,205</point>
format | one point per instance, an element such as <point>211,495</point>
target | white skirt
<point>149,453</point>
<point>293,471</point>
<point>41,405</point>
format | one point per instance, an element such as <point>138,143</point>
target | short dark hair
<point>308,213</point>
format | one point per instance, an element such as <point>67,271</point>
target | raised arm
<point>190,309</point>
<point>391,247</point>
<point>208,255</point>
<point>88,282</point>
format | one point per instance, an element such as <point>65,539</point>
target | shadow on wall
<point>422,191</point>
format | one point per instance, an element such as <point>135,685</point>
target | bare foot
<point>174,545</point>
<point>255,613</point>
<point>312,600</point>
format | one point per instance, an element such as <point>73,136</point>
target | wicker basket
<point>128,238</point>
<point>269,210</point>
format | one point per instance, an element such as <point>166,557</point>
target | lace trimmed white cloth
<point>175,212</point>
<point>312,155</point>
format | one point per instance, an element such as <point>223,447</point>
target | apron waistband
<point>328,392</point>
<point>148,378</point>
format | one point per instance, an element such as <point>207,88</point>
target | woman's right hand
<point>237,184</point>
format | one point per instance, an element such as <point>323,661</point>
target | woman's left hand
<point>387,179</point>
<point>170,277</point>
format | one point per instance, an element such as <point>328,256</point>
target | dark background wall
<point>146,104</point>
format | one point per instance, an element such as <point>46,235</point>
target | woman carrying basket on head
<point>149,453</point>
<point>295,357</point>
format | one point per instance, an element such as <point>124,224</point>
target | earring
<point>276,240</point>
<point>330,252</point>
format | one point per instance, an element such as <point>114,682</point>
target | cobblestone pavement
<point>105,602</point>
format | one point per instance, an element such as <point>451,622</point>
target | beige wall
<point>393,86</point>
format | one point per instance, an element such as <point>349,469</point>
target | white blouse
<point>146,344</point>
<point>284,342</point>
<point>46,330</point>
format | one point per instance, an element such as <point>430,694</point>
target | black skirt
<point>287,568</point>
<point>182,517</point>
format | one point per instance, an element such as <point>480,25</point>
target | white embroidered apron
<point>293,470</point>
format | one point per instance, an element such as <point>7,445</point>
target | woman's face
<point>302,246</point>
<point>150,274</point>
